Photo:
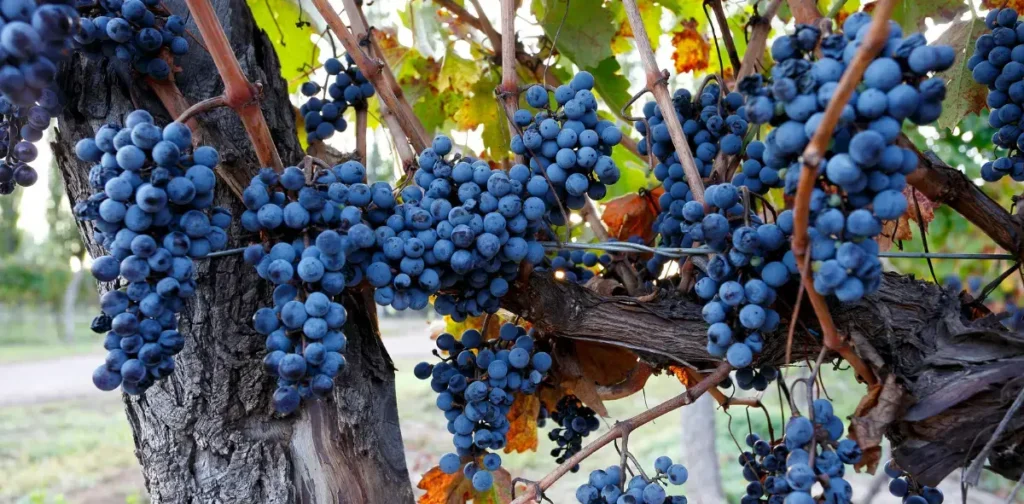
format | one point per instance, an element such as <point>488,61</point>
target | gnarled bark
<point>208,433</point>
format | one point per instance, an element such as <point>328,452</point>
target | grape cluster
<point>138,32</point>
<point>902,485</point>
<point>575,422</point>
<point>782,472</point>
<point>994,65</point>
<point>319,232</point>
<point>861,183</point>
<point>569,146</point>
<point>711,124</point>
<point>485,222</point>
<point>34,38</point>
<point>757,379</point>
<point>740,281</point>
<point>476,385</point>
<point>324,115</point>
<point>575,266</point>
<point>151,212</point>
<point>20,127</point>
<point>707,132</point>
<point>604,486</point>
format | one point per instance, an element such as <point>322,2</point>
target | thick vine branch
<point>361,133</point>
<point>762,26</point>
<point>623,428</point>
<point>813,157</point>
<point>373,71</point>
<point>239,94</point>
<point>402,147</point>
<point>656,83</point>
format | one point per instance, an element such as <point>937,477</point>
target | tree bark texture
<point>955,377</point>
<point>208,434</point>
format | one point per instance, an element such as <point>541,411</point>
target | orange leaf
<point>681,375</point>
<point>522,419</point>
<point>631,215</point>
<point>900,229</point>
<point>1016,5</point>
<point>692,51</point>
<point>444,488</point>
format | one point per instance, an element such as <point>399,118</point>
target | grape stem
<point>402,147</point>
<point>623,428</point>
<point>239,94</point>
<point>758,40</point>
<point>373,70</point>
<point>813,156</point>
<point>361,29</point>
<point>656,82</point>
<point>508,91</point>
<point>361,133</point>
<point>723,23</point>
<point>203,106</point>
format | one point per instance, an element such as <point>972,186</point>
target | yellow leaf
<point>691,50</point>
<point>522,418</point>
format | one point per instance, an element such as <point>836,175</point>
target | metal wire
<point>681,252</point>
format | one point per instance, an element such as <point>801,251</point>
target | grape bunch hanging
<point>35,37</point>
<point>904,486</point>
<point>324,115</point>
<point>782,471</point>
<point>152,213</point>
<point>316,230</point>
<point>604,486</point>
<point>485,221</point>
<point>568,147</point>
<point>862,179</point>
<point>575,422</point>
<point>476,385</point>
<point>139,33</point>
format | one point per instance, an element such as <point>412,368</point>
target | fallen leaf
<point>876,411</point>
<point>691,50</point>
<point>522,419</point>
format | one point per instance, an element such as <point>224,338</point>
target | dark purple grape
<point>25,175</point>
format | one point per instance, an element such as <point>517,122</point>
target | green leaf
<point>911,14</point>
<point>686,9</point>
<point>457,74</point>
<point>650,14</point>
<point>422,20</point>
<point>294,44</point>
<point>963,95</point>
<point>482,109</point>
<point>610,84</point>
<point>586,34</point>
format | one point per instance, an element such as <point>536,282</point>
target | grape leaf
<point>444,488</point>
<point>585,36</point>
<point>911,15</point>
<point>457,74</point>
<point>686,9</point>
<point>570,376</point>
<point>482,109</point>
<point>604,364</point>
<point>632,214</point>
<point>610,84</point>
<point>421,18</point>
<point>293,44</point>
<point>1016,5</point>
<point>650,13</point>
<point>522,419</point>
<point>691,49</point>
<point>963,95</point>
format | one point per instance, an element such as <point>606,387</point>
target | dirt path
<point>38,381</point>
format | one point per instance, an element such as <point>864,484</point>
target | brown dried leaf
<point>901,229</point>
<point>631,215</point>
<point>604,364</point>
<point>876,411</point>
<point>522,418</point>
<point>692,51</point>
<point>570,376</point>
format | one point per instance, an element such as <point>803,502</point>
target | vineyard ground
<point>63,441</point>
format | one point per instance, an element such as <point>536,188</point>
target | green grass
<point>30,336</point>
<point>49,452</point>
